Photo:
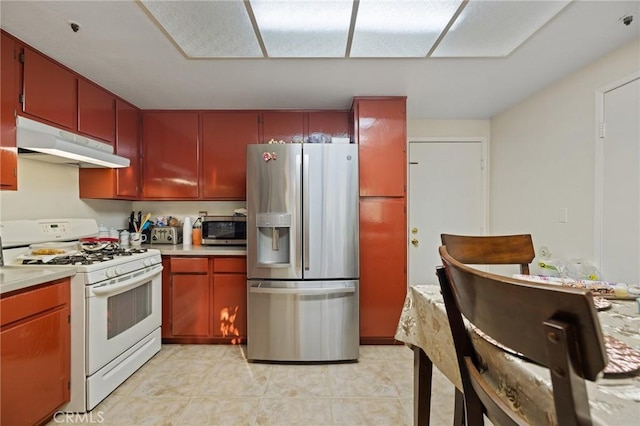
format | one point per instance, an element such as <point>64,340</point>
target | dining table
<point>614,398</point>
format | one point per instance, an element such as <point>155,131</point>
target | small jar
<point>124,238</point>
<point>196,236</point>
<point>196,233</point>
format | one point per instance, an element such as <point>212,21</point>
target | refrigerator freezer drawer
<point>302,321</point>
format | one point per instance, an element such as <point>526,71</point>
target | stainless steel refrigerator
<point>302,252</point>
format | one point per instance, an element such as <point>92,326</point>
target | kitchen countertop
<point>181,250</point>
<point>16,278</point>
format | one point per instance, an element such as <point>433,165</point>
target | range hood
<point>40,141</point>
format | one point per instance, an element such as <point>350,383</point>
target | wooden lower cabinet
<point>204,299</point>
<point>383,272</point>
<point>230,299</point>
<point>35,353</point>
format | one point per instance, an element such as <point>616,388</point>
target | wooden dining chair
<point>556,327</point>
<point>491,250</point>
<point>488,250</point>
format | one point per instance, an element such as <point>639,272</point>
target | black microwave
<point>224,230</point>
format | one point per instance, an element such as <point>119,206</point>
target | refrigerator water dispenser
<point>274,238</point>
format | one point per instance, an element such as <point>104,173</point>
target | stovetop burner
<point>87,258</point>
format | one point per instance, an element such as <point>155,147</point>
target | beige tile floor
<point>215,385</point>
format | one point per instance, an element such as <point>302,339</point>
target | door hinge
<point>602,130</point>
<point>482,164</point>
<point>21,58</point>
<point>68,384</point>
<point>21,98</point>
<point>69,318</point>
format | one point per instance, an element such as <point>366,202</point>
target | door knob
<point>414,230</point>
<point>414,242</point>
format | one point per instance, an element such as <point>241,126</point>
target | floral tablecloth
<point>614,400</point>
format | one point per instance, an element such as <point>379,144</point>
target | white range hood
<point>40,141</point>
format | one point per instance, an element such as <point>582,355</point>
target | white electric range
<point>116,305</point>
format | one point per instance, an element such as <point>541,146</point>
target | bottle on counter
<point>186,231</point>
<point>196,233</point>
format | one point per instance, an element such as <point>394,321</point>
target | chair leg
<point>422,370</point>
<point>458,409</point>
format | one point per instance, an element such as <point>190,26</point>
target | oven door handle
<point>131,282</point>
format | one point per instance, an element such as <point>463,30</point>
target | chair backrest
<point>491,250</point>
<point>556,327</point>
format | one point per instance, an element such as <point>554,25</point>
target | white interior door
<point>446,195</point>
<point>620,239</point>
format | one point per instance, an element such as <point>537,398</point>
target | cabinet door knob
<point>414,242</point>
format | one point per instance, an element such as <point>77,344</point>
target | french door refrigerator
<point>302,252</point>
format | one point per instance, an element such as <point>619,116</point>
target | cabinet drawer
<point>189,264</point>
<point>230,264</point>
<point>31,302</point>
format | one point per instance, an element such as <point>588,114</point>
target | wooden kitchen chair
<point>488,250</point>
<point>491,250</point>
<point>556,327</point>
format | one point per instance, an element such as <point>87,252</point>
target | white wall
<point>47,190</point>
<point>448,128</point>
<point>542,159</point>
<point>180,209</point>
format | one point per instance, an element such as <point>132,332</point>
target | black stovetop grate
<point>87,257</point>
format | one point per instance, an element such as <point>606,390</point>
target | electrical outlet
<point>563,215</point>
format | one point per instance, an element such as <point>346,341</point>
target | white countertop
<point>16,278</point>
<point>182,250</point>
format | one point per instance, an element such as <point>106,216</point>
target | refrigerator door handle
<point>305,209</point>
<point>302,291</point>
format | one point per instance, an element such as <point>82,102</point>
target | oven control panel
<point>24,232</point>
<point>55,230</point>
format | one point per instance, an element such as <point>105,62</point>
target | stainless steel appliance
<point>302,252</point>
<point>116,306</point>
<point>166,235</point>
<point>224,230</point>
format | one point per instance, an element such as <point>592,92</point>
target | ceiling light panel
<point>303,29</point>
<point>495,28</point>
<point>207,29</point>
<point>400,28</point>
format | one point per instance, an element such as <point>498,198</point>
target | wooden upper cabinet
<point>49,90</point>
<point>381,132</point>
<point>122,183</point>
<point>332,123</point>
<point>288,126</point>
<point>8,104</point>
<point>171,155</point>
<point>225,136</point>
<point>128,146</point>
<point>96,112</point>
